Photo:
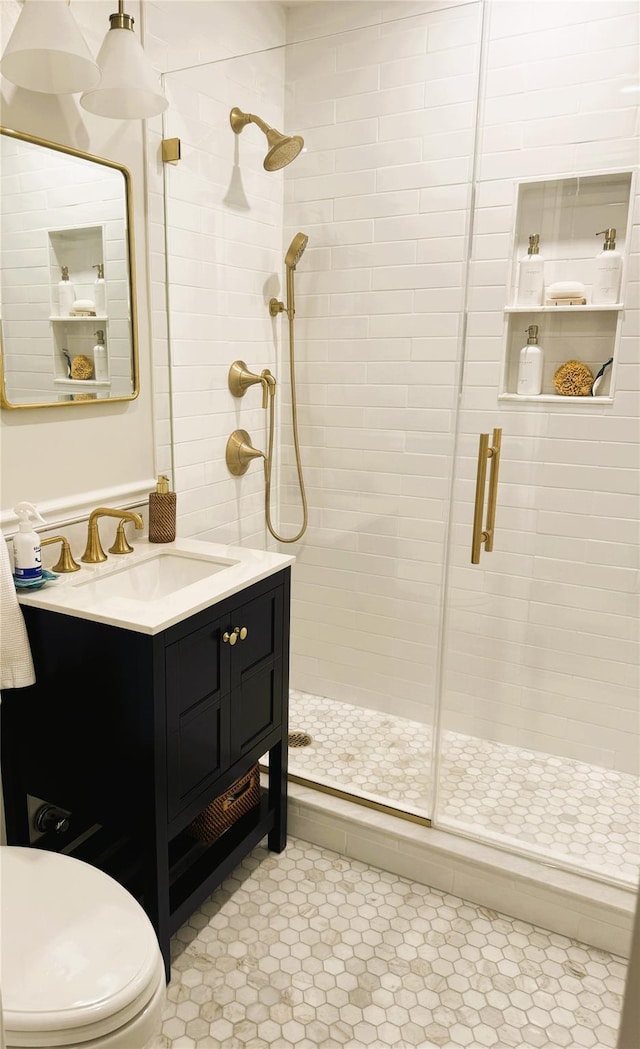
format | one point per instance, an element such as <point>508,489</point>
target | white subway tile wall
<point>540,645</point>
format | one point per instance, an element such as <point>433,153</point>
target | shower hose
<point>296,444</point>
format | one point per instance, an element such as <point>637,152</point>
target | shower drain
<point>299,739</point>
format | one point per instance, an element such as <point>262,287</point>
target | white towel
<point>16,662</point>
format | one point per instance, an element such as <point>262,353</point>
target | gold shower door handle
<point>485,535</point>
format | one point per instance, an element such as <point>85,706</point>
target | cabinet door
<point>256,671</point>
<point>197,679</point>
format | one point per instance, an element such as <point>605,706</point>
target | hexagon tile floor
<point>555,807</point>
<point>309,949</point>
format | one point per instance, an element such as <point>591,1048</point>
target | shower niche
<point>568,213</point>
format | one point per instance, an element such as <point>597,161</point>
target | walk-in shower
<point>497,700</point>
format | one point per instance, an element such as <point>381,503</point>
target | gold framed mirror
<point>68,326</point>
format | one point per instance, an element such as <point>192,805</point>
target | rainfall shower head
<point>295,250</point>
<point>282,148</point>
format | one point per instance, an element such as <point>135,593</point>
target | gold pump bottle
<point>162,513</point>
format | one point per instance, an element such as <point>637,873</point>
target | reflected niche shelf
<point>79,251</point>
<point>567,212</point>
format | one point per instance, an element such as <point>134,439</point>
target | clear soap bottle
<point>608,272</point>
<point>530,291</point>
<point>530,365</point>
<point>66,293</point>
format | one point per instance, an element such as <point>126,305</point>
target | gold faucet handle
<point>121,544</point>
<point>65,562</point>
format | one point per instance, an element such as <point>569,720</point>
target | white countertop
<point>69,595</point>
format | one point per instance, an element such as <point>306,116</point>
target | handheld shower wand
<point>294,253</point>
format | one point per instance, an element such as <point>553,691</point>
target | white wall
<point>51,454</point>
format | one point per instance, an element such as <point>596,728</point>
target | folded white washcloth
<point>16,662</point>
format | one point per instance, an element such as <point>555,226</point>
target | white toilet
<point>81,965</point>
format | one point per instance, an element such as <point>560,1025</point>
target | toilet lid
<point>76,946</point>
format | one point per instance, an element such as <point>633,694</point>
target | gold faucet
<point>94,552</point>
<point>66,562</point>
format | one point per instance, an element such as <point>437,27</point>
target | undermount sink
<point>156,577</point>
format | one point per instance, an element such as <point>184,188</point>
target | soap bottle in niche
<point>530,365</point>
<point>66,293</point>
<point>100,291</point>
<point>27,550</point>
<point>531,275</point>
<point>100,366</point>
<point>608,272</point>
<point>162,513</point>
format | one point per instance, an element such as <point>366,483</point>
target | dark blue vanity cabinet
<point>135,734</point>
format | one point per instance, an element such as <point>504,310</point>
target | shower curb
<point>572,905</point>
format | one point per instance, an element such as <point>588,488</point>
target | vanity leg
<point>155,891</point>
<point>278,761</point>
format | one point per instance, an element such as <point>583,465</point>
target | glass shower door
<point>539,715</point>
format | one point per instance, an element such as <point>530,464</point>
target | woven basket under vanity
<point>222,812</point>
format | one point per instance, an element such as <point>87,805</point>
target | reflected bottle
<point>100,291</point>
<point>100,365</point>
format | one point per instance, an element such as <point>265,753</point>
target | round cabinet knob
<point>243,633</point>
<point>232,637</point>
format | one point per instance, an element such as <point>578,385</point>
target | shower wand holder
<point>276,307</point>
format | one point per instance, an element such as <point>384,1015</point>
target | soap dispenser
<point>100,365</point>
<point>27,551</point>
<point>100,291</point>
<point>608,272</point>
<point>531,275</point>
<point>66,293</point>
<point>162,513</point>
<point>530,365</point>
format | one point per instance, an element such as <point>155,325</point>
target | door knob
<point>231,638</point>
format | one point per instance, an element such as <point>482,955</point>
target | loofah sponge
<point>81,367</point>
<point>573,379</point>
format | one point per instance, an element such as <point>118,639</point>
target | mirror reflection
<point>67,291</point>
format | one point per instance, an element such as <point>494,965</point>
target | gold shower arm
<point>239,120</point>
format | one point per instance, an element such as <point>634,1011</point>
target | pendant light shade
<point>47,52</point>
<point>128,87</point>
